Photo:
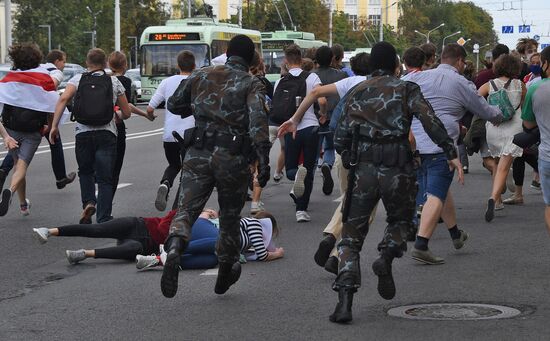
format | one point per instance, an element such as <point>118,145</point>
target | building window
<point>353,2</point>
<point>374,2</point>
<point>352,19</point>
<point>374,19</point>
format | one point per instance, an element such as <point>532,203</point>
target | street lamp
<point>450,35</point>
<point>381,33</point>
<point>427,36</point>
<point>94,30</point>
<point>477,50</point>
<point>49,27</point>
<point>92,33</point>
<point>135,49</point>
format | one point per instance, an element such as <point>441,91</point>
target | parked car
<point>135,76</point>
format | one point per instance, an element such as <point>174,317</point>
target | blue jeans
<point>58,160</point>
<point>326,136</point>
<point>544,171</point>
<point>307,140</point>
<point>434,177</point>
<point>201,251</point>
<point>96,156</point>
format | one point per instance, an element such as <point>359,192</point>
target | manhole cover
<point>454,311</point>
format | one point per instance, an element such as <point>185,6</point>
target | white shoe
<point>277,177</point>
<point>163,254</point>
<point>256,207</point>
<point>299,187</point>
<point>302,217</point>
<point>41,234</point>
<point>75,256</point>
<point>25,208</point>
<point>145,262</point>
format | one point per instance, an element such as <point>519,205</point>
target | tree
<point>70,21</point>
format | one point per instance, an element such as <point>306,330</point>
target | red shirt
<point>483,77</point>
<point>158,227</point>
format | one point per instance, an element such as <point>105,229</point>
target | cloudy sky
<point>509,13</point>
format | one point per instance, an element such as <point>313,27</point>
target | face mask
<point>215,221</point>
<point>535,69</point>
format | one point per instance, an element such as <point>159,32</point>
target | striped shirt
<point>252,237</point>
<point>450,95</point>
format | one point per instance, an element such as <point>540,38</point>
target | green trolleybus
<point>274,43</point>
<point>160,46</point>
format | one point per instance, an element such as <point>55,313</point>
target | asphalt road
<point>42,297</point>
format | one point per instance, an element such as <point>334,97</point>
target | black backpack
<point>284,98</point>
<point>93,102</point>
<point>22,119</point>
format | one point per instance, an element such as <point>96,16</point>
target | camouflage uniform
<point>383,107</point>
<point>227,101</point>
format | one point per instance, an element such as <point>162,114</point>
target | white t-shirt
<point>118,89</point>
<point>344,85</point>
<point>171,122</point>
<point>312,81</point>
<point>56,74</point>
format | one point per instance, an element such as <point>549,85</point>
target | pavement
<point>42,297</point>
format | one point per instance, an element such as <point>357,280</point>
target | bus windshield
<point>273,61</point>
<point>161,60</point>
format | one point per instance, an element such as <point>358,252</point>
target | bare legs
<point>18,182</point>
<point>499,179</point>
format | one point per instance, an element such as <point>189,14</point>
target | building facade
<point>360,12</point>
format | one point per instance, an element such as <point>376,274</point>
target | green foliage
<point>71,19</point>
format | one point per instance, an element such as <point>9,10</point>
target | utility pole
<point>7,14</point>
<point>381,33</point>
<point>49,27</point>
<point>189,8</point>
<point>94,30</point>
<point>117,25</point>
<point>330,23</point>
<point>135,49</point>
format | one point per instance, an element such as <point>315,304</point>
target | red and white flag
<point>31,89</point>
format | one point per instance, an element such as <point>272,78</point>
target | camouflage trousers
<point>397,189</point>
<point>202,171</point>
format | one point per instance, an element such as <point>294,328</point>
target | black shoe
<point>342,312</point>
<point>490,212</point>
<point>5,203</point>
<point>325,248</point>
<point>66,180</point>
<point>228,274</point>
<point>332,265</point>
<point>3,176</point>
<point>169,279</point>
<point>87,214</point>
<point>386,286</point>
<point>328,183</point>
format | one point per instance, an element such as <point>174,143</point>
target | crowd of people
<point>388,131</point>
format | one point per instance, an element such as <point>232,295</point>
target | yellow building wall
<point>339,5</point>
<point>362,8</point>
<point>222,10</point>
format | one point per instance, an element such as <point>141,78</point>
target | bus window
<point>273,61</point>
<point>161,60</point>
<point>219,47</point>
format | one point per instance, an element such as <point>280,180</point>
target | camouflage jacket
<point>224,98</point>
<point>384,106</point>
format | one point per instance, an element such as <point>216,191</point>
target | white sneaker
<point>163,254</point>
<point>277,177</point>
<point>145,262</point>
<point>41,234</point>
<point>162,197</point>
<point>256,207</point>
<point>25,208</point>
<point>299,187</point>
<point>75,256</point>
<point>302,217</point>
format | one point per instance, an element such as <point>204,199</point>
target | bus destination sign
<point>174,36</point>
<point>276,44</point>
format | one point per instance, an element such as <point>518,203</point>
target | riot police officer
<point>231,126</point>
<point>373,133</point>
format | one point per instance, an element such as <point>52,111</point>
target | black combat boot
<point>174,247</point>
<point>325,248</point>
<point>342,312</point>
<point>382,269</point>
<point>228,274</point>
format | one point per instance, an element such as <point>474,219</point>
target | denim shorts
<point>434,177</point>
<point>544,172</point>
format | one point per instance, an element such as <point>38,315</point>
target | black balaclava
<point>383,57</point>
<point>241,46</point>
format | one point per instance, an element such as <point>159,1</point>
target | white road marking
<point>210,272</point>
<point>119,186</point>
<point>71,144</point>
